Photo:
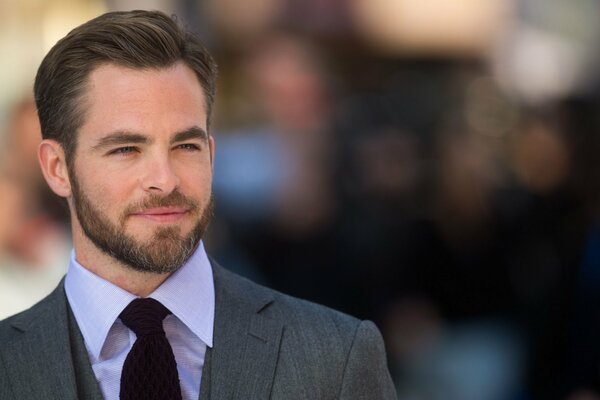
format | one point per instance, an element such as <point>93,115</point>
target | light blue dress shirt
<point>190,295</point>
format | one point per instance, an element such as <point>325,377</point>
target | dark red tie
<point>149,371</point>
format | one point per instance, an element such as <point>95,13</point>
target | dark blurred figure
<point>279,209</point>
<point>422,250</point>
<point>569,349</point>
<point>383,140</point>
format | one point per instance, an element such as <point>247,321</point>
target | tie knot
<point>144,316</point>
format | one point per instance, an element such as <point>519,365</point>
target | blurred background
<point>430,165</point>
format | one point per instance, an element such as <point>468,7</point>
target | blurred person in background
<point>34,245</point>
<point>418,188</point>
<point>274,178</point>
<point>565,350</point>
<point>548,63</point>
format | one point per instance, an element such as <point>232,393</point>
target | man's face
<point>142,171</point>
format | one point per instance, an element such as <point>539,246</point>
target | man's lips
<point>162,214</point>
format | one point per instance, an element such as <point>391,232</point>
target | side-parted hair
<point>135,39</point>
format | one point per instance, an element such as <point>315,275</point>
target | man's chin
<point>161,260</point>
<point>146,233</point>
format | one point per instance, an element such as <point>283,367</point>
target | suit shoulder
<point>303,312</point>
<point>14,325</point>
<point>6,329</point>
<point>295,312</point>
<point>10,327</point>
<point>322,351</point>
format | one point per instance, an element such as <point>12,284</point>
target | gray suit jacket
<point>266,346</point>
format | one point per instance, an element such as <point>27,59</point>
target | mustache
<point>173,199</point>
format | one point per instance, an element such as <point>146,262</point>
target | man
<point>124,103</point>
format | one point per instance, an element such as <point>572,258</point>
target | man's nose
<point>159,175</point>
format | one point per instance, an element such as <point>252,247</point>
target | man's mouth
<point>162,214</point>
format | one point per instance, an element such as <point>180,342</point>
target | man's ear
<point>54,167</point>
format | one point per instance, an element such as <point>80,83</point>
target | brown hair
<point>135,39</point>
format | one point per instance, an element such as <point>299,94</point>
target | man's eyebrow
<point>194,132</point>
<point>118,138</point>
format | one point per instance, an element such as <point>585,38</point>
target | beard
<point>165,252</point>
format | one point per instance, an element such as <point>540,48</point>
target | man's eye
<point>123,150</point>
<point>189,147</point>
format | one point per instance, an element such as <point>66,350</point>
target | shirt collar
<point>188,293</point>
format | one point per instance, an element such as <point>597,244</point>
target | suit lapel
<point>241,363</point>
<point>260,358</point>
<point>40,357</point>
<point>246,342</point>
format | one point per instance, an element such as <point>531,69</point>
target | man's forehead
<point>120,98</point>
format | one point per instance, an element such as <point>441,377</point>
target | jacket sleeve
<point>366,375</point>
